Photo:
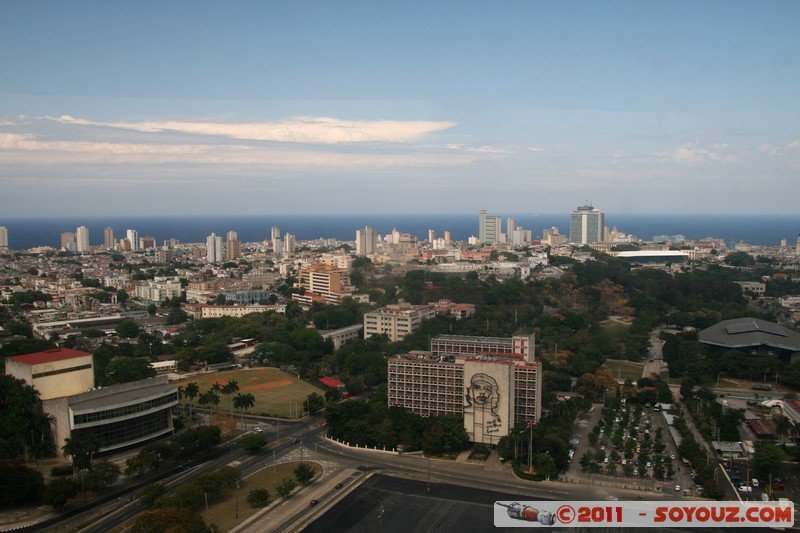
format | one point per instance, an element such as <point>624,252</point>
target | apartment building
<point>323,283</point>
<point>396,321</point>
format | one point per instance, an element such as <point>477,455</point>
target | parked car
<point>755,482</point>
<point>258,429</point>
<point>778,485</point>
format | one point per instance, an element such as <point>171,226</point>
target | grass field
<point>223,512</point>
<point>624,369</point>
<point>276,392</point>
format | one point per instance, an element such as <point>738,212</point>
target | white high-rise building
<point>82,239</point>
<point>288,243</point>
<point>3,238</point>
<point>586,225</point>
<point>489,228</point>
<point>366,241</point>
<point>215,252</point>
<point>431,235</point>
<point>133,237</point>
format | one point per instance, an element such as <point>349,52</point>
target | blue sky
<point>377,107</point>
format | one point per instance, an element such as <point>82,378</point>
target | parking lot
<point>632,447</point>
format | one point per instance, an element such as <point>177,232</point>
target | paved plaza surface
<point>389,504</point>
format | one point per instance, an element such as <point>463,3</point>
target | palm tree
<point>191,392</point>
<point>244,402</point>
<point>209,398</point>
<point>231,387</point>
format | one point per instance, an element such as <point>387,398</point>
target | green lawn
<point>277,393</point>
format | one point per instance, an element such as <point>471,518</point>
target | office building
<point>322,283</point>
<point>233,248</point>
<point>133,238</point>
<point>366,241</point>
<point>489,228</point>
<point>3,238</point>
<point>108,238</point>
<point>215,253</point>
<point>586,225</point>
<point>396,321</point>
<point>493,392</point>
<point>82,239</point>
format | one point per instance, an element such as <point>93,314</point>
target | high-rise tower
<point>82,239</point>
<point>366,240</point>
<point>133,238</point>
<point>3,238</point>
<point>489,228</point>
<point>586,225</point>
<point>215,253</point>
<point>108,238</point>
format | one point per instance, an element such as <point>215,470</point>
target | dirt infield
<point>277,393</point>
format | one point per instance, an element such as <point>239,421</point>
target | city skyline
<point>241,108</point>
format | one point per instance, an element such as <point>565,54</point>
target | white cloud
<point>795,145</point>
<point>535,149</point>
<point>771,150</point>
<point>477,149</point>
<point>319,130</point>
<point>32,150</point>
<point>692,154</point>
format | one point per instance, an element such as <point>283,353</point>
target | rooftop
<point>48,356</point>
<point>744,332</point>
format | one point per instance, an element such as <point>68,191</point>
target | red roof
<point>331,382</point>
<point>48,356</point>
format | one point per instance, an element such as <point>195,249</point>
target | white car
<point>258,429</point>
<point>677,488</point>
<point>755,482</point>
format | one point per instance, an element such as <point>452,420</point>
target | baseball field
<point>276,393</point>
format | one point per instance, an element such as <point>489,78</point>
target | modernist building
<point>366,241</point>
<point>155,291</point>
<point>396,321</point>
<point>586,225</point>
<point>342,335</point>
<point>133,239</point>
<point>215,252</point>
<point>489,228</point>
<point>54,373</point>
<point>119,416</point>
<point>82,239</point>
<point>754,336</point>
<point>323,283</point>
<point>493,392</point>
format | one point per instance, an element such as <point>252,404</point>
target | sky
<point>284,107</point>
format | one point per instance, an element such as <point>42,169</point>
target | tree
<point>123,369</point>
<point>304,473</point>
<point>285,488</point>
<point>252,442</point>
<point>258,498</point>
<point>313,403</point>
<point>59,491</point>
<point>231,387</point>
<point>177,316</point>
<point>127,328</point>
<point>151,493</point>
<point>211,399</point>
<point>191,391</point>
<point>244,402</point>
<point>20,485</point>
<point>102,475</point>
<point>767,459</point>
<point>81,449</point>
<point>151,309</point>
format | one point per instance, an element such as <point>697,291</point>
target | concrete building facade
<point>493,393</point>
<point>396,321</point>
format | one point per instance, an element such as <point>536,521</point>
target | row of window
<point>118,412</point>
<point>61,371</point>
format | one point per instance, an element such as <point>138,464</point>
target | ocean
<point>24,233</point>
